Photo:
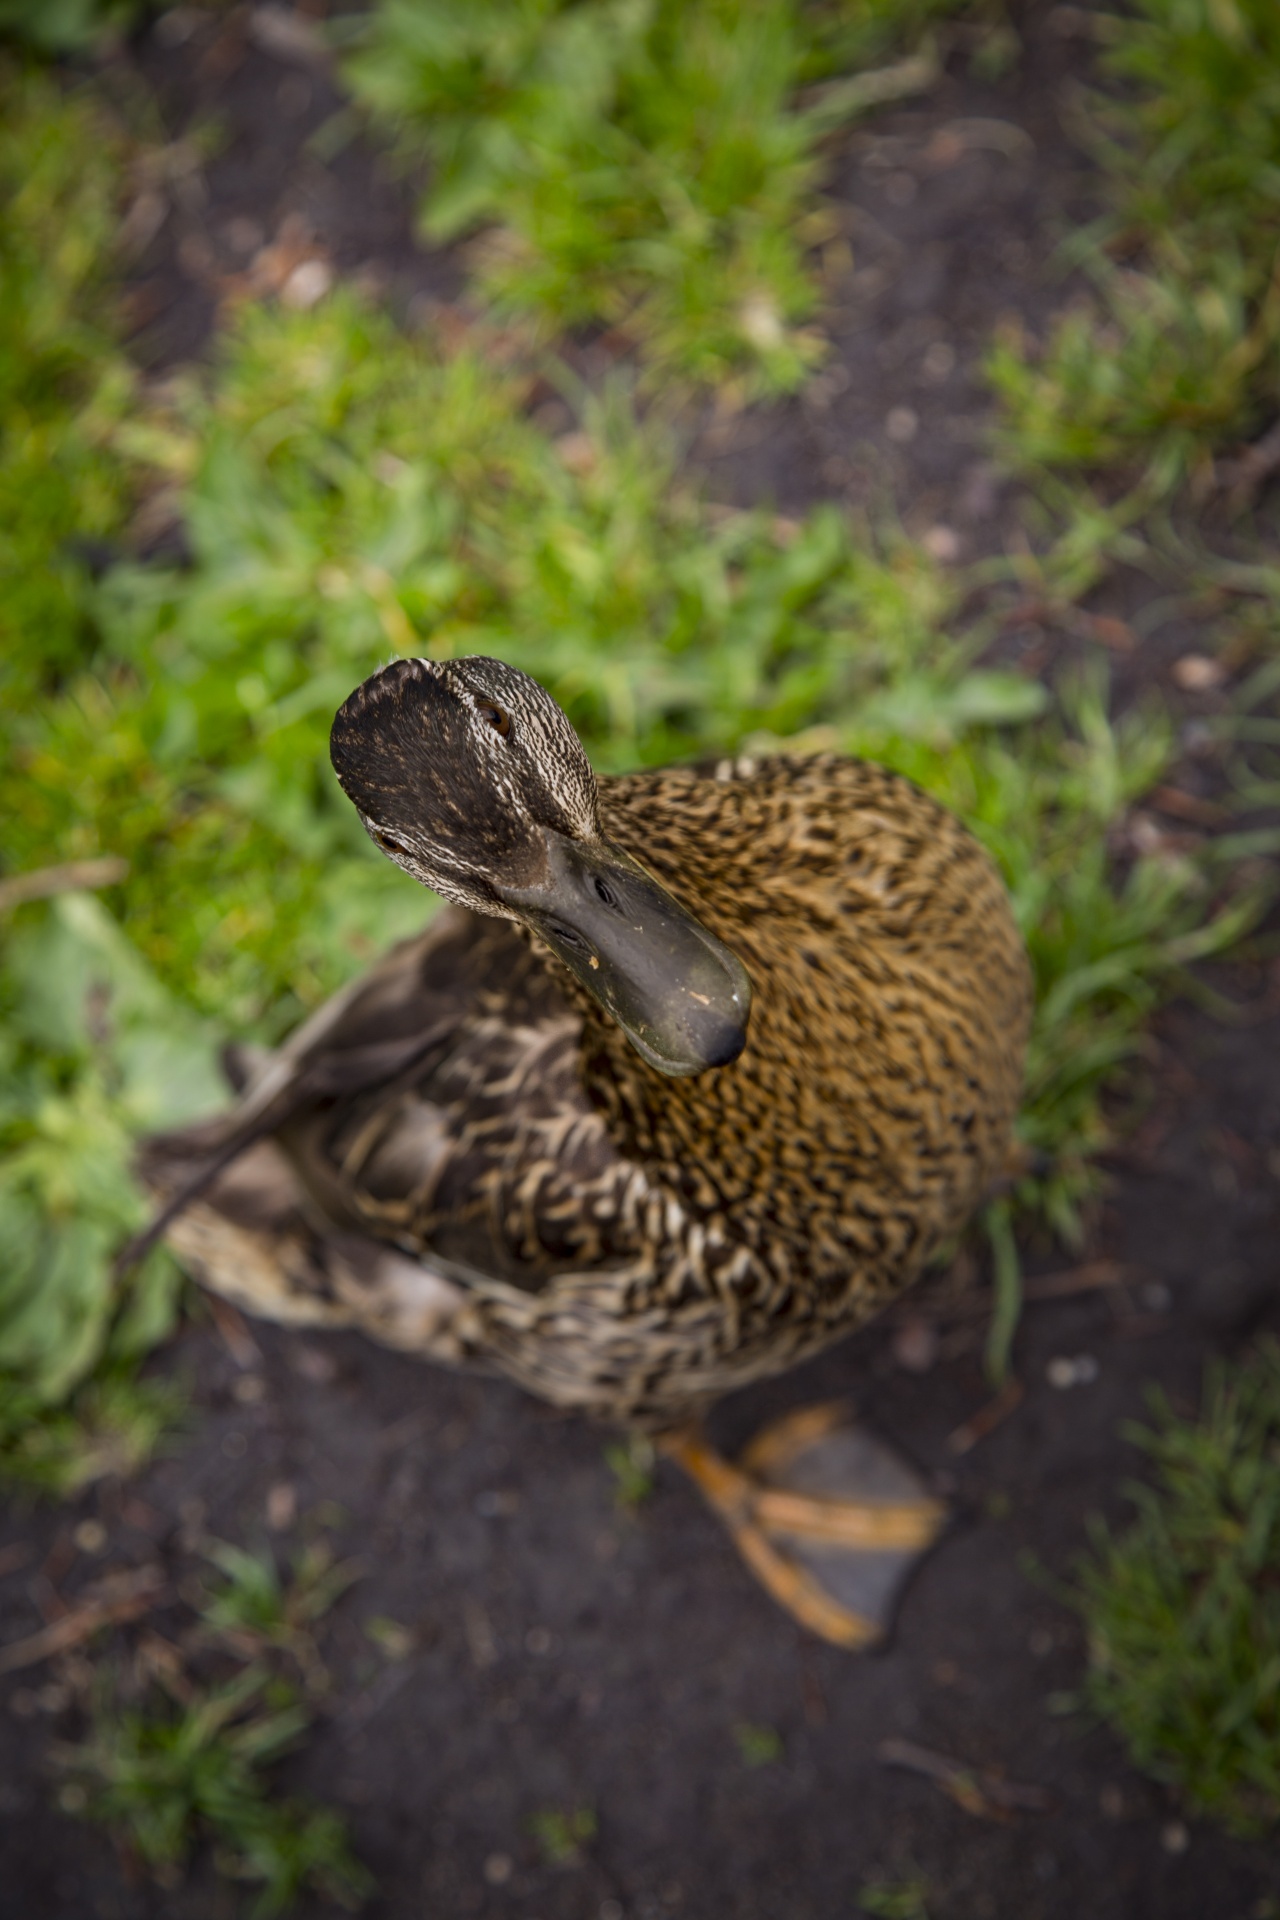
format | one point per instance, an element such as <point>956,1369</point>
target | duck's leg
<point>825,1516</point>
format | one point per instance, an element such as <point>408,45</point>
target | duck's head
<point>468,775</point>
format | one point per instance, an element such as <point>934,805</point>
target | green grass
<point>1183,1606</point>
<point>561,1833</point>
<point>1175,357</point>
<point>91,1047</point>
<point>758,1746</point>
<point>92,1051</point>
<point>895,1899</point>
<point>177,1757</point>
<point>64,388</point>
<point>632,1461</point>
<point>652,165</point>
<point>165,1779</point>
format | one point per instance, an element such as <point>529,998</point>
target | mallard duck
<point>694,1074</point>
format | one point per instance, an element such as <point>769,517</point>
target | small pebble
<point>90,1536</point>
<point>942,544</point>
<point>902,424</point>
<point>1156,1297</point>
<point>939,360</point>
<point>1146,836</point>
<point>497,1503</point>
<point>915,1345</point>
<point>307,284</point>
<point>1111,1802</point>
<point>497,1869</point>
<point>578,452</point>
<point>314,1364</point>
<point>249,1389</point>
<point>1174,1838</point>
<point>282,1506</point>
<point>537,1640</point>
<point>761,322</point>
<point>1041,1642</point>
<point>1063,1372</point>
<point>1197,673</point>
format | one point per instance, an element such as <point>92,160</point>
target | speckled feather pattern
<point>634,1245</point>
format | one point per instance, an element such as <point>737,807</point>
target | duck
<point>695,1069</point>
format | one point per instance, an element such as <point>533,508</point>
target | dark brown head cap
<point>455,766</point>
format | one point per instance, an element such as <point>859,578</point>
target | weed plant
<point>651,165</point>
<point>91,1046</point>
<point>1176,356</point>
<point>1183,1606</point>
<point>895,1899</point>
<point>173,1760</point>
<point>561,1833</point>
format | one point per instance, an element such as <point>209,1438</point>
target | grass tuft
<point>758,1746</point>
<point>562,1833</point>
<point>164,1779</point>
<point>1183,1607</point>
<point>176,1756</point>
<point>632,1462</point>
<point>644,164</point>
<point>895,1899</point>
<point>1176,355</point>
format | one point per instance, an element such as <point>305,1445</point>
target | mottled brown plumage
<point>466,1156</point>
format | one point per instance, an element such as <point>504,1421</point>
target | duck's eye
<point>499,720</point>
<point>389,843</point>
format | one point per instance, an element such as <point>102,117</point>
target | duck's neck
<point>874,1099</point>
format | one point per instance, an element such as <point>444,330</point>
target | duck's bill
<point>679,994</point>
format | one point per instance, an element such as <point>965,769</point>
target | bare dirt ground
<point>567,1652</point>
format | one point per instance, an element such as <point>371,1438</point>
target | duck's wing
<point>375,1027</point>
<point>436,1105</point>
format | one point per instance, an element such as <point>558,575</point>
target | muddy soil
<point>566,1651</point>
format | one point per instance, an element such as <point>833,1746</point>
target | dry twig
<point>76,875</point>
<point>119,1597</point>
<point>984,1794</point>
